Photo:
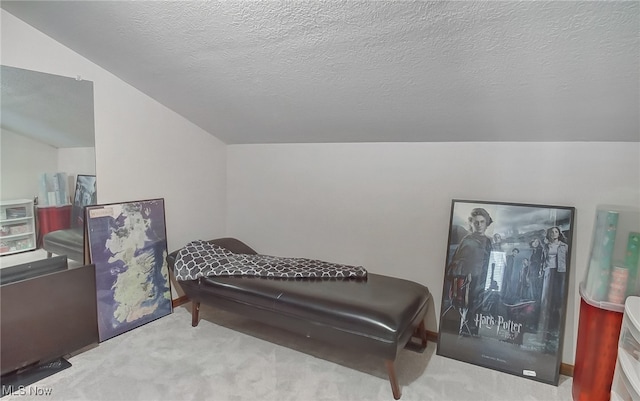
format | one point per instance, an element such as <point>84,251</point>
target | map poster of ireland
<point>128,245</point>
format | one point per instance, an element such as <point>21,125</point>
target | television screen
<point>47,317</point>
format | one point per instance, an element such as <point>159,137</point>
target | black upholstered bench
<point>69,242</point>
<point>378,316</point>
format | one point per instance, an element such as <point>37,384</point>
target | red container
<point>52,218</point>
<point>596,351</point>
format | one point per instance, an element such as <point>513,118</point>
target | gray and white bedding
<point>205,259</point>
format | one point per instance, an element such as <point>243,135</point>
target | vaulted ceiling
<point>369,71</point>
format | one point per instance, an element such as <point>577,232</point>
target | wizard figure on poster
<point>468,270</point>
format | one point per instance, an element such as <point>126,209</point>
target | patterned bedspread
<point>204,259</point>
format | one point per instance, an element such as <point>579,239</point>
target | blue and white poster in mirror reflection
<point>127,243</point>
<point>85,194</point>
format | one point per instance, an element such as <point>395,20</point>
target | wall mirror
<point>47,127</point>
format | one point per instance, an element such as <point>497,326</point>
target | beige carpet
<point>169,360</point>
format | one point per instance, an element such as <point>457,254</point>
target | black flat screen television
<point>45,315</point>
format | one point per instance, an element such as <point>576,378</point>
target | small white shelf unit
<point>17,226</point>
<point>626,379</point>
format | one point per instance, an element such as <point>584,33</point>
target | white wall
<point>22,160</point>
<point>77,160</point>
<point>386,206</point>
<point>74,161</point>
<point>143,149</point>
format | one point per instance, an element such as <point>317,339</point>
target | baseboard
<point>565,369</point>
<point>432,336</point>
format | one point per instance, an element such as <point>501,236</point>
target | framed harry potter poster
<point>505,288</point>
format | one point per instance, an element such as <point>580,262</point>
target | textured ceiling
<point>366,71</point>
<point>52,109</point>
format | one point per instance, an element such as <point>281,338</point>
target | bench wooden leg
<point>395,388</point>
<point>422,334</point>
<point>195,312</point>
